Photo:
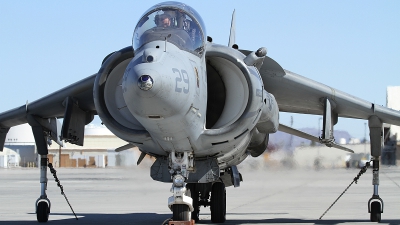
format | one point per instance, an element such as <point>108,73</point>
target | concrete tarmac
<point>267,196</point>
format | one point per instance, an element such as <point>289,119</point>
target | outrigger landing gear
<point>42,137</point>
<point>375,203</point>
<point>44,131</point>
<point>43,203</point>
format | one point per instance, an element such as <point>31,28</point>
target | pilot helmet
<point>160,20</point>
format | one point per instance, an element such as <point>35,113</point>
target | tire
<point>376,212</point>
<point>180,212</point>
<point>42,213</point>
<point>194,194</point>
<point>218,203</point>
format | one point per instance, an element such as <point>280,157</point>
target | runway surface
<point>267,196</point>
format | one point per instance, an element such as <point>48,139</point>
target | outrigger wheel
<point>42,212</point>
<point>376,212</point>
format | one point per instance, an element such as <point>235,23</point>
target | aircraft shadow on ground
<point>157,219</point>
<point>100,218</point>
<point>304,221</point>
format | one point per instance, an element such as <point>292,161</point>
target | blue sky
<point>352,46</point>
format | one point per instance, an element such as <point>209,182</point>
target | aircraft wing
<point>52,105</point>
<point>297,94</point>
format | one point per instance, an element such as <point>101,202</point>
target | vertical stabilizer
<point>232,36</point>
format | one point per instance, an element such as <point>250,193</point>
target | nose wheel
<point>180,212</point>
<point>375,208</point>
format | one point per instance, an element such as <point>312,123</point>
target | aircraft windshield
<point>174,22</point>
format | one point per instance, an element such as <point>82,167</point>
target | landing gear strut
<point>375,203</point>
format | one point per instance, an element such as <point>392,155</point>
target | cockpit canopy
<point>173,22</point>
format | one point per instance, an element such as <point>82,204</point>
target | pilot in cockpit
<point>170,25</point>
<point>163,20</point>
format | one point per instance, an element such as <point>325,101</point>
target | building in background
<point>393,102</point>
<point>98,150</point>
<point>9,158</point>
<point>391,150</point>
<point>20,139</point>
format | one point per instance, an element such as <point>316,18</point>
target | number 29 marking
<point>181,81</point>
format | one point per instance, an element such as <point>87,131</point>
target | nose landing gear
<point>181,204</point>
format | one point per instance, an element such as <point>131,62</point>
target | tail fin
<point>232,38</point>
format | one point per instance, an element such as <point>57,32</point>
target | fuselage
<point>173,110</point>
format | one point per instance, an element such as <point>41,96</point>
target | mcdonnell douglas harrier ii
<point>197,107</point>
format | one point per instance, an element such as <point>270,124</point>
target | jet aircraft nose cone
<point>145,82</point>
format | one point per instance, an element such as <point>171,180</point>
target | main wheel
<point>218,203</point>
<point>375,212</point>
<point>194,194</point>
<point>42,213</point>
<point>180,212</point>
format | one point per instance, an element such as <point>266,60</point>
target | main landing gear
<point>209,194</point>
<point>218,203</point>
<point>194,194</point>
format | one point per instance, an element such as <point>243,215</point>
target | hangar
<point>98,149</point>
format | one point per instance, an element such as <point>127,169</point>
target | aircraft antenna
<point>165,45</point>
<point>232,35</point>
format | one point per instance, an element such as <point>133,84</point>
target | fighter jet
<point>199,108</point>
